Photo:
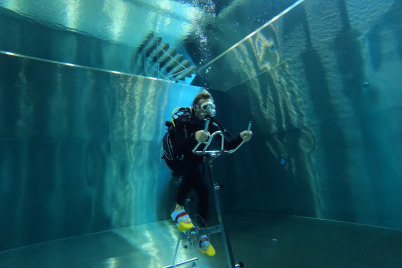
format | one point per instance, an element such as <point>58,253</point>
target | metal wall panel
<point>81,150</point>
<point>323,88</point>
<point>113,35</point>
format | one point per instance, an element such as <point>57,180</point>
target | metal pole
<point>181,263</point>
<point>218,204</point>
<point>177,250</point>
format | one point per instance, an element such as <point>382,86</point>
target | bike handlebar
<point>222,150</point>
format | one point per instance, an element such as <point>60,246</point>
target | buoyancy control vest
<point>172,158</point>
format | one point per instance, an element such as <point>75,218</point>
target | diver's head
<point>204,106</point>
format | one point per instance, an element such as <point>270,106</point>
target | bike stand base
<point>181,263</point>
<point>188,236</point>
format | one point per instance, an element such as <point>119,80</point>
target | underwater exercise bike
<point>191,235</point>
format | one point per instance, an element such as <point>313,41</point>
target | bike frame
<point>209,156</point>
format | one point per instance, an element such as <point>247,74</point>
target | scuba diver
<point>189,130</point>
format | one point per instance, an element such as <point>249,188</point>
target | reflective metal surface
<point>136,37</point>
<point>273,241</point>
<point>159,38</point>
<point>322,84</point>
<point>126,22</point>
<point>81,150</point>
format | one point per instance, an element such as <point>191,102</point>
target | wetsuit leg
<point>194,180</point>
<point>185,188</point>
<point>201,188</point>
<point>203,200</point>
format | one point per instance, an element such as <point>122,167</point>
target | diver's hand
<point>246,135</point>
<point>201,136</point>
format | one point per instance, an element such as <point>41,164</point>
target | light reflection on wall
<point>81,149</point>
<point>261,75</point>
<point>72,14</point>
<point>117,11</point>
<point>304,81</point>
<point>126,22</point>
<point>137,129</point>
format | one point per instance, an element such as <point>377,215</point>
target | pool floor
<point>258,240</point>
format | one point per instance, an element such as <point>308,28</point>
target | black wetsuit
<point>193,179</point>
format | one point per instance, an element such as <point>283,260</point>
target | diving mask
<point>208,109</point>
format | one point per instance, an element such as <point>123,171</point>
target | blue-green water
<point>81,144</point>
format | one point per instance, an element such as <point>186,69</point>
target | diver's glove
<point>202,136</point>
<point>246,135</point>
